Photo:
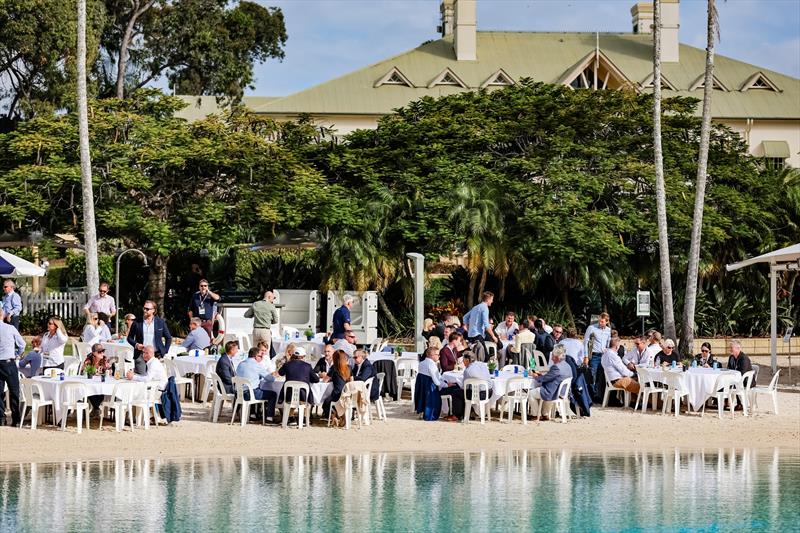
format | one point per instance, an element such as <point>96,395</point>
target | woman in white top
<point>95,331</point>
<point>53,341</point>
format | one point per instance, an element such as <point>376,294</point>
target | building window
<point>394,77</point>
<point>775,163</point>
<point>700,83</point>
<point>447,77</point>
<point>647,83</point>
<point>498,79</point>
<point>594,72</point>
<point>760,81</point>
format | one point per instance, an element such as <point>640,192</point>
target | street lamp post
<point>116,284</point>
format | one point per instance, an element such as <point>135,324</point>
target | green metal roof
<point>542,56</point>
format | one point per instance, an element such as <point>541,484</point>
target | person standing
<point>341,318</point>
<point>264,315</point>
<point>150,330</point>
<point>102,302</point>
<point>203,305</point>
<point>12,304</point>
<point>479,326</point>
<point>11,346</point>
<point>600,337</point>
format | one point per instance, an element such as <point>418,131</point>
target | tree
<point>87,193</point>
<point>687,337</point>
<point>668,315</point>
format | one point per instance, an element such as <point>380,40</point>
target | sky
<point>329,38</point>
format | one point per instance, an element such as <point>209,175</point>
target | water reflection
<point>555,490</point>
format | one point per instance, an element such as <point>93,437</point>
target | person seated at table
<point>363,370</point>
<point>97,358</point>
<point>523,336</point>
<point>92,330</point>
<point>266,362</point>
<point>653,344</point>
<point>252,370</point>
<point>347,344</point>
<point>339,375</point>
<point>435,343</point>
<point>197,339</point>
<point>53,342</point>
<point>667,353</point>
<point>617,373</point>
<point>285,357</point>
<point>448,356</point>
<point>705,359</point>
<point>323,366</point>
<point>738,360</point>
<point>30,364</point>
<point>508,328</point>
<point>474,369</point>
<point>573,345</point>
<point>638,354</point>
<point>296,369</point>
<point>125,328</point>
<point>154,369</point>
<point>427,400</point>
<point>545,385</point>
<point>224,366</point>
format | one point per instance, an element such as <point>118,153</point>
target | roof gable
<point>394,77</point>
<point>447,77</point>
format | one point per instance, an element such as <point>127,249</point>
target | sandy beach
<point>607,429</point>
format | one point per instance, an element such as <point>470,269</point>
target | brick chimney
<point>447,10</point>
<point>642,20</point>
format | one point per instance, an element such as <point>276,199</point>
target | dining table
<point>95,386</point>
<point>700,383</point>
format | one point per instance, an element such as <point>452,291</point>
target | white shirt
<point>54,348</point>
<point>502,330</point>
<point>101,304</point>
<point>652,351</point>
<point>478,370</point>
<point>613,366</point>
<point>269,364</point>
<point>574,349</point>
<point>91,334</point>
<point>148,332</point>
<point>155,372</point>
<point>638,359</point>
<point>429,368</point>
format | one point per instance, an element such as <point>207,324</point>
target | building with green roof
<point>760,104</point>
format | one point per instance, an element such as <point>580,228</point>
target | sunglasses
<point>99,351</point>
<point>201,286</point>
<point>147,308</point>
<point>704,350</point>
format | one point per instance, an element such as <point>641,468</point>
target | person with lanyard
<point>341,318</point>
<point>11,346</point>
<point>150,330</point>
<point>600,337</point>
<point>480,327</point>
<point>12,304</point>
<point>203,305</point>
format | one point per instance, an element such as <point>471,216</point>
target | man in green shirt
<point>264,315</point>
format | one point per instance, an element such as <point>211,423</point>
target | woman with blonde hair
<point>53,342</point>
<point>435,342</point>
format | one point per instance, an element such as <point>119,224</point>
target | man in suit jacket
<point>363,370</point>
<point>324,363</point>
<point>547,384</point>
<point>297,370</point>
<point>150,330</point>
<point>225,369</point>
<point>448,356</point>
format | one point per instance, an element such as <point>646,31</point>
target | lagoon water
<point>719,490</point>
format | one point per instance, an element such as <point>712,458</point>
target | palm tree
<point>687,338</point>
<point>661,194</point>
<point>89,230</point>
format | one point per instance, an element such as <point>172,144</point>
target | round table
<point>51,387</point>
<point>700,383</point>
<point>190,364</point>
<point>312,347</point>
<point>319,391</point>
<point>499,382</point>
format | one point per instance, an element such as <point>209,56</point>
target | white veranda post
<point>417,267</point>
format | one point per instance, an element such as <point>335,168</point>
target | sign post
<point>643,305</point>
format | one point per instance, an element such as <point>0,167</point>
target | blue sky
<point>328,38</point>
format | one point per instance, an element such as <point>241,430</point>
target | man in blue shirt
<point>12,304</point>
<point>197,339</point>
<point>11,346</point>
<point>479,328</point>
<point>253,371</point>
<point>203,305</point>
<point>600,337</point>
<point>341,318</point>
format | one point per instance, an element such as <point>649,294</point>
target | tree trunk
<point>502,292</point>
<point>567,307</point>
<point>89,230</point>
<point>389,315</point>
<point>157,283</point>
<point>471,290</point>
<point>122,60</point>
<point>661,193</point>
<point>687,338</point>
<point>482,286</point>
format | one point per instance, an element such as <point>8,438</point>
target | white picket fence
<point>67,305</point>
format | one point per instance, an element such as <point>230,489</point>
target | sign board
<point>788,336</point>
<point>642,303</point>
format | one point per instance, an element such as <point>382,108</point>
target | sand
<point>610,429</point>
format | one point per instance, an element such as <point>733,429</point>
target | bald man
<point>264,315</point>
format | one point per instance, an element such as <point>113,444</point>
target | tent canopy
<point>12,266</point>
<point>790,254</point>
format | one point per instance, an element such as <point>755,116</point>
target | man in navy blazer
<point>224,367</point>
<point>547,384</point>
<point>298,370</point>
<point>363,370</point>
<point>150,330</point>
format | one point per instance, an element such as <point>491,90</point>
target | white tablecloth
<point>374,357</point>
<point>121,350</point>
<point>189,364</point>
<point>320,391</point>
<point>312,347</point>
<point>699,382</point>
<point>499,382</point>
<point>51,387</point>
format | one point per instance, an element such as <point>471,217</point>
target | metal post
<point>773,316</point>
<point>418,273</point>
<point>116,283</point>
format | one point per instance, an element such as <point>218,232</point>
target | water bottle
<point>196,352</point>
<point>694,364</point>
<point>61,376</point>
<point>532,363</point>
<point>673,364</point>
<point>496,372</point>
<point>297,335</point>
<point>511,336</point>
<point>516,369</point>
<point>286,336</point>
<point>525,373</point>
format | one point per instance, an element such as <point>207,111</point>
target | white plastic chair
<point>73,369</point>
<point>675,391</point>
<point>609,388</point>
<point>407,370</point>
<point>68,360</point>
<point>646,389</point>
<point>294,402</point>
<point>148,404</point>
<point>731,390</point>
<point>368,386</point>
<point>380,409</point>
<point>33,399</point>
<point>561,402</point>
<point>121,401</point>
<point>240,384</point>
<point>771,390</point>
<point>516,395</point>
<point>220,397</point>
<point>208,385</point>
<point>475,386</point>
<point>491,350</point>
<point>73,398</point>
<point>541,360</point>
<point>510,368</point>
<point>172,370</point>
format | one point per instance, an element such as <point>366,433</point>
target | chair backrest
<point>773,383</point>
<point>368,385</point>
<point>756,368</point>
<point>219,386</point>
<point>645,378</point>
<point>491,349</point>
<point>526,350</point>
<point>409,355</point>
<point>170,367</point>
<point>541,360</point>
<point>748,379</point>
<point>72,393</point>
<point>27,389</point>
<point>68,360</point>
<point>126,392</point>
<point>84,349</point>
<point>407,368</point>
<point>381,377</point>
<point>72,369</point>
<point>674,380</point>
<point>295,387</point>
<point>211,367</point>
<point>564,388</point>
<point>516,387</point>
<point>239,385</point>
<point>510,368</point>
<point>476,385</point>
